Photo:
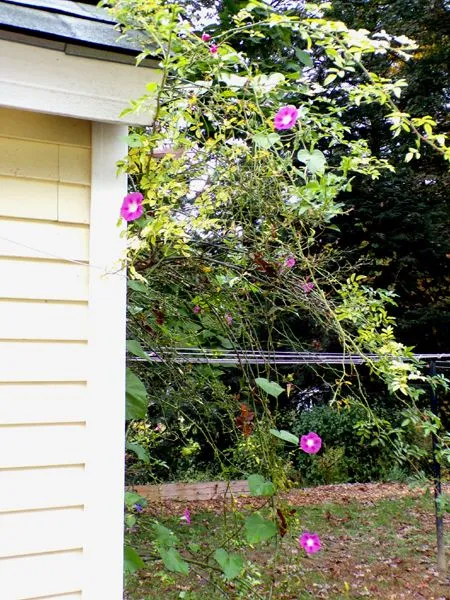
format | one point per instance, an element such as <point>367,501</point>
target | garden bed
<point>378,541</point>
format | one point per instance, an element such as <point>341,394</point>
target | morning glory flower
<point>307,287</point>
<point>132,207</point>
<point>289,262</point>
<point>311,443</point>
<point>186,518</point>
<point>310,542</point>
<point>286,117</point>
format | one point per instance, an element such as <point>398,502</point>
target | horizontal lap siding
<point>40,575</point>
<point>44,279</point>
<point>38,488</point>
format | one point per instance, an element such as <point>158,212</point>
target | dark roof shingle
<point>64,21</point>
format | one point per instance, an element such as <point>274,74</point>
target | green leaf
<point>258,529</point>
<point>285,436</point>
<point>259,486</point>
<point>130,520</point>
<point>131,498</point>
<point>136,397</point>
<point>225,342</point>
<point>137,286</point>
<point>231,564</point>
<point>266,140</point>
<point>329,79</point>
<point>232,81</point>
<point>173,561</point>
<point>304,57</point>
<point>163,536</point>
<point>263,84</point>
<point>270,387</point>
<point>315,161</point>
<point>134,140</point>
<point>140,452</point>
<point>132,562</point>
<point>134,347</point>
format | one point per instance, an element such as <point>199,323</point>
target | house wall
<point>45,181</point>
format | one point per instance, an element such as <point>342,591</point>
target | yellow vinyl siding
<point>45,176</point>
<point>41,575</point>
<point>25,125</point>
<point>38,488</point>
<point>42,280</point>
<point>23,446</point>
<point>28,239</point>
<point>43,320</point>
<point>63,402</point>
<point>46,531</point>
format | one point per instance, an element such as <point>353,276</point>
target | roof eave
<point>77,49</point>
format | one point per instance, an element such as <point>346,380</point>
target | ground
<point>378,541</point>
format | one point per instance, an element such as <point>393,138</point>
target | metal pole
<point>435,409</point>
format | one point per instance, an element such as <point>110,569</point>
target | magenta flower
<point>286,117</point>
<point>310,542</point>
<point>228,318</point>
<point>132,207</point>
<point>196,309</point>
<point>214,48</point>
<point>307,287</point>
<point>311,443</point>
<point>206,37</point>
<point>186,518</point>
<point>289,262</point>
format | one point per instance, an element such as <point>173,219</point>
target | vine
<point>237,183</point>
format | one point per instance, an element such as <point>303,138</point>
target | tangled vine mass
<point>235,189</point>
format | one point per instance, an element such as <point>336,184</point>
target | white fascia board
<point>50,81</point>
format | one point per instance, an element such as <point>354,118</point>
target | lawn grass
<point>381,549</point>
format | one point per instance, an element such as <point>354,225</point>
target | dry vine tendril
<point>236,184</point>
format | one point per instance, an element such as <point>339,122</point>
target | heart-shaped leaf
<point>259,486</point>
<point>285,436</point>
<point>136,397</point>
<point>163,536</point>
<point>270,387</point>
<point>140,452</point>
<point>258,529</point>
<point>231,564</point>
<point>266,140</point>
<point>134,347</point>
<point>173,561</point>
<point>132,562</point>
<point>315,161</point>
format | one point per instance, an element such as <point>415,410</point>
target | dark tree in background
<point>400,223</point>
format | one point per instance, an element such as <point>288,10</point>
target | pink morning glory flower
<point>311,443</point>
<point>310,542</point>
<point>132,207</point>
<point>228,318</point>
<point>196,309</point>
<point>206,37</point>
<point>214,48</point>
<point>286,117</point>
<point>307,287</point>
<point>186,518</point>
<point>289,262</point>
